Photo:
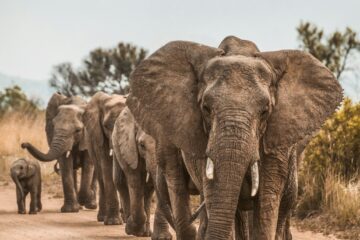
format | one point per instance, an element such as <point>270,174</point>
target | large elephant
<point>65,134</point>
<point>134,153</point>
<point>230,109</point>
<point>99,119</point>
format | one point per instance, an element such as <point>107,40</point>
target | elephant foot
<point>21,211</point>
<point>39,207</point>
<point>187,234</point>
<point>161,236</point>
<point>100,217</point>
<point>139,230</point>
<point>32,212</point>
<point>90,205</point>
<point>113,221</point>
<point>70,208</point>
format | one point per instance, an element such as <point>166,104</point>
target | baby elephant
<point>27,177</point>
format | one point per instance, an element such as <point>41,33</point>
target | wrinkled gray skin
<point>99,119</point>
<point>65,132</point>
<point>135,171</point>
<point>232,106</point>
<point>27,178</point>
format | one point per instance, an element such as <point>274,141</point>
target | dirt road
<point>50,224</point>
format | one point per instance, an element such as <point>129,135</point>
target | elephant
<point>231,111</point>
<point>27,178</point>
<point>134,158</point>
<point>99,119</point>
<point>65,135</point>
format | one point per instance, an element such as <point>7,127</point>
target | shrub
<point>329,175</point>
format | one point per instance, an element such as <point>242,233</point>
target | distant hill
<point>33,88</point>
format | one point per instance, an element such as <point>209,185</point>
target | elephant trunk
<point>15,178</point>
<point>231,154</point>
<point>57,148</point>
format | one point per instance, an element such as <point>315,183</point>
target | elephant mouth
<point>254,172</point>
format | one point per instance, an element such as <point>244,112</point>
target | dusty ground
<point>50,224</point>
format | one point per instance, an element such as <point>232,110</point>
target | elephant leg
<point>148,197</point>
<point>70,196</point>
<point>288,202</point>
<point>20,199</point>
<point>136,223</point>
<point>169,159</point>
<point>75,177</point>
<point>39,204</point>
<point>161,226</point>
<point>102,203</point>
<point>273,175</point>
<point>87,196</point>
<point>112,202</point>
<point>33,201</point>
<point>121,185</point>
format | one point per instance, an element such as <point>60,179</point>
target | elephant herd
<point>226,123</point>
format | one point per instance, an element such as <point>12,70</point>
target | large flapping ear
<point>306,94</point>
<point>51,110</point>
<point>93,133</point>
<point>124,139</point>
<point>164,91</point>
<point>236,46</point>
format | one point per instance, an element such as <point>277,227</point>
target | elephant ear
<point>51,110</point>
<point>164,91</point>
<point>125,138</point>
<point>306,94</point>
<point>236,46</point>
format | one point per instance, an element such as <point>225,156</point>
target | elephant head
<point>228,107</point>
<point>21,169</point>
<point>64,127</point>
<point>100,116</point>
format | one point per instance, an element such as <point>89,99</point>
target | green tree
<point>14,99</point>
<point>105,70</point>
<point>333,50</point>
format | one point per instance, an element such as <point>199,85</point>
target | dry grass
<point>16,128</point>
<point>330,205</point>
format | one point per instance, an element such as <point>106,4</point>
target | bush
<point>329,175</point>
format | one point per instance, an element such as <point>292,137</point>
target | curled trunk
<point>57,148</point>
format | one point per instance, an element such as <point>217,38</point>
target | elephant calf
<point>27,177</point>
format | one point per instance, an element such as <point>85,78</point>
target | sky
<point>35,35</point>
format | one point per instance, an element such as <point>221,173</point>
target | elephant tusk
<point>111,152</point>
<point>209,168</point>
<point>254,179</point>
<point>68,154</point>
<point>147,177</point>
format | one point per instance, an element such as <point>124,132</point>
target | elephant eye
<point>77,130</point>
<point>21,167</point>
<point>206,110</point>
<point>142,145</point>
<point>264,112</point>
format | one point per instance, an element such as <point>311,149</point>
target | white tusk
<point>147,177</point>
<point>209,168</point>
<point>68,154</point>
<point>111,152</point>
<point>254,178</point>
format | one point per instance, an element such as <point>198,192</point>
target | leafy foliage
<point>337,145</point>
<point>333,50</point>
<point>13,99</point>
<point>105,70</point>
